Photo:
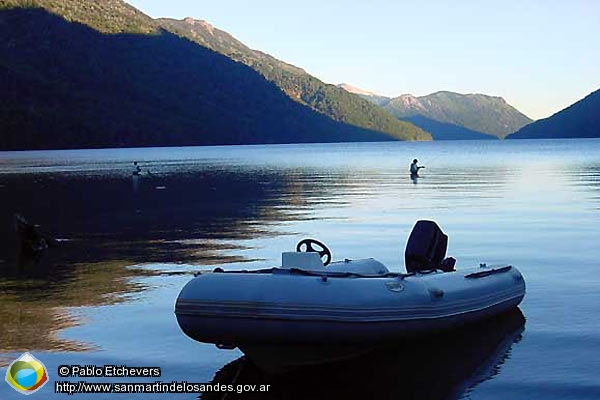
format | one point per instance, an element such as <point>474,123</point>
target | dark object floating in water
<point>303,313</point>
<point>32,243</point>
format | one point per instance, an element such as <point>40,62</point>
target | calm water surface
<point>106,295</point>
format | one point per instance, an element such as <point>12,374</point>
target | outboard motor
<point>426,248</point>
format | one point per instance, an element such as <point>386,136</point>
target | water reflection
<point>531,203</point>
<point>186,215</point>
<point>194,214</point>
<point>34,311</point>
<point>106,226</point>
<point>442,366</point>
<point>587,178</point>
<point>414,178</point>
<point>168,219</point>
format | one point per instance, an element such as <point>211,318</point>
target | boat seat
<point>302,260</point>
<point>426,248</point>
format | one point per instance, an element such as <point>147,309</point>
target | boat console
<point>302,260</point>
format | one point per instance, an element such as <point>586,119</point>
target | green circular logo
<point>26,374</point>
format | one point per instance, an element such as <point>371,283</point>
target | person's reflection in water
<point>136,183</point>
<point>438,366</point>
<point>135,175</point>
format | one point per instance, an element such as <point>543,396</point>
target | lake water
<point>106,295</point>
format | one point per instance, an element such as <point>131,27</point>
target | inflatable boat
<point>311,310</point>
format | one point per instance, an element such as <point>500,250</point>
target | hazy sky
<point>541,56</point>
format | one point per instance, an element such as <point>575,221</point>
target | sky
<point>540,56</point>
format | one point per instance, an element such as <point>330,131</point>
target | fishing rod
<point>430,160</point>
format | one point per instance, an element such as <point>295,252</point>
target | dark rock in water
<point>31,245</point>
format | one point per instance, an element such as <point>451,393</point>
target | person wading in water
<point>414,169</point>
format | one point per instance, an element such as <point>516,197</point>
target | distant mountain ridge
<point>579,120</point>
<point>371,96</point>
<point>327,99</point>
<point>355,90</point>
<point>477,112</point>
<point>445,131</point>
<point>489,115</point>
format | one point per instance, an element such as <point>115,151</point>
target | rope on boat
<point>325,274</point>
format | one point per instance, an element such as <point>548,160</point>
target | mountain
<point>446,131</point>
<point>477,112</point>
<point>372,97</point>
<point>106,16</point>
<point>438,130</point>
<point>355,90</point>
<point>100,73</point>
<point>580,120</point>
<point>329,100</point>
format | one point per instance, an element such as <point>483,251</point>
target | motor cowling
<point>426,248</point>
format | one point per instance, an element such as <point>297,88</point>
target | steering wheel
<point>321,249</point>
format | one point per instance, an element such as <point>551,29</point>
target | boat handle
<point>488,272</point>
